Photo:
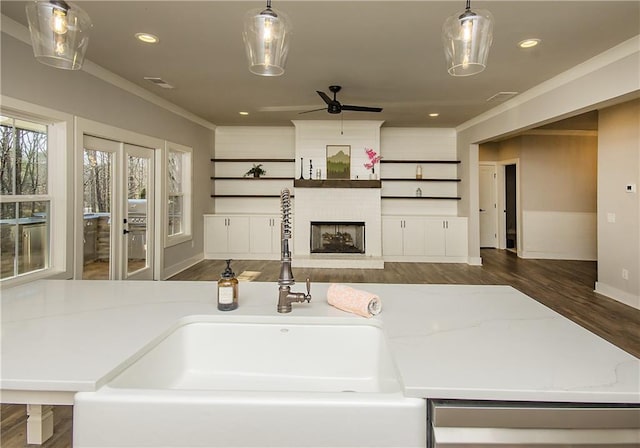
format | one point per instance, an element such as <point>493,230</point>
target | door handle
<point>482,210</point>
<point>125,231</point>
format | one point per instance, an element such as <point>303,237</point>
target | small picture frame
<point>338,162</point>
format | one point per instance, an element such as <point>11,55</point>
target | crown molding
<point>620,51</point>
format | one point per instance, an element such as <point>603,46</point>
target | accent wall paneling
<point>235,193</point>
<point>437,179</point>
<point>434,149</point>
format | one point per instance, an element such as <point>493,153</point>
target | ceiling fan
<point>334,106</point>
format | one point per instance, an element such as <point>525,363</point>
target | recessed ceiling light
<point>434,114</point>
<point>243,113</point>
<point>529,43</point>
<point>147,38</point>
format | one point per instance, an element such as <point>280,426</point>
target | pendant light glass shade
<point>59,33</point>
<point>266,35</point>
<point>467,37</point>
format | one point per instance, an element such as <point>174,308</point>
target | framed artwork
<point>338,161</point>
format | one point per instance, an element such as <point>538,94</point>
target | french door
<point>118,210</point>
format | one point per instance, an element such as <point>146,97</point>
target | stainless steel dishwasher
<point>459,423</point>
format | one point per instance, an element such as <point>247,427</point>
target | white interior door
<point>488,206</point>
<point>118,210</point>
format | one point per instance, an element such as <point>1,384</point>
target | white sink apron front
<point>259,381</point>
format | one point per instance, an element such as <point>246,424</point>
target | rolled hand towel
<point>353,300</point>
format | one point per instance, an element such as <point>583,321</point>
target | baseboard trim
<point>183,265</point>
<point>619,295</point>
<point>475,261</point>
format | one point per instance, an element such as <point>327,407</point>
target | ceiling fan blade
<point>313,110</point>
<point>362,108</point>
<point>325,97</point>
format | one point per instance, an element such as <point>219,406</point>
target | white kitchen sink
<point>255,381</point>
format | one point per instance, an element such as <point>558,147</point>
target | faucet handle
<point>308,296</point>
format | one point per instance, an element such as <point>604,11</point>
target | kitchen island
<point>449,342</point>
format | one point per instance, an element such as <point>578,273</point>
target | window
<point>25,206</point>
<point>178,188</point>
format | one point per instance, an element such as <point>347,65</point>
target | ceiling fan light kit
<point>467,37</point>
<point>266,36</point>
<point>59,33</point>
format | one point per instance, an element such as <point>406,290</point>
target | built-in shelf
<point>251,178</point>
<point>420,161</point>
<point>336,183</point>
<point>408,179</point>
<point>439,198</point>
<point>246,196</point>
<point>263,160</point>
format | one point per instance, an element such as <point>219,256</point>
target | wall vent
<point>159,82</point>
<point>501,96</point>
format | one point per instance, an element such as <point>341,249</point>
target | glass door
<point>138,213</point>
<point>118,210</point>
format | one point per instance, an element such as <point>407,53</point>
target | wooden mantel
<point>336,183</point>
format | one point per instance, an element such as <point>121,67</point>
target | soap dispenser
<point>228,290</point>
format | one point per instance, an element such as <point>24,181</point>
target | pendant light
<point>59,33</point>
<point>266,39</point>
<point>467,37</point>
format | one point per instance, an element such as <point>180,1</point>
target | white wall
<point>419,144</point>
<point>81,94</point>
<point>607,79</point>
<point>558,185</point>
<point>252,142</point>
<point>618,210</point>
<point>313,136</point>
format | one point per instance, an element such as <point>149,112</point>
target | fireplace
<point>334,237</point>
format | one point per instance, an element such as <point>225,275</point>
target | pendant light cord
<point>468,4</point>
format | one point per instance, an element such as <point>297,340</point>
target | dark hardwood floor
<point>564,286</point>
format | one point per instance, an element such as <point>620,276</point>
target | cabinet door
<point>392,235</point>
<point>215,234</point>
<point>434,229</point>
<point>456,237</point>
<point>413,236</point>
<point>238,234</point>
<point>261,238</point>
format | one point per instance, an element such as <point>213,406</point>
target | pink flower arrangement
<point>374,158</point>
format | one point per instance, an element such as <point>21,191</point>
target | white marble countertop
<point>462,342</point>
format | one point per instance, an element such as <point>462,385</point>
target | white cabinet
<point>264,235</point>
<point>402,236</point>
<point>225,235</point>
<point>248,237</point>
<point>424,238</point>
<point>446,237</point>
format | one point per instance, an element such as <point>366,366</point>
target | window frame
<point>59,188</point>
<point>187,196</point>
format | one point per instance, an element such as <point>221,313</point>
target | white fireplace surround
<point>336,204</point>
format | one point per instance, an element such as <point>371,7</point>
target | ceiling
<point>384,53</point>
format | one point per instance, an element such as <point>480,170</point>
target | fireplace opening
<point>337,237</point>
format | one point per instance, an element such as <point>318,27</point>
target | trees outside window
<point>25,207</point>
<point>178,188</point>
